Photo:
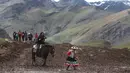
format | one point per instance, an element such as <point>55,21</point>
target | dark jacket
<point>41,39</point>
<point>14,34</point>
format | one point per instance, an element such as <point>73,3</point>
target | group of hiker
<point>23,36</point>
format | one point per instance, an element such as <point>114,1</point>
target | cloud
<point>56,0</point>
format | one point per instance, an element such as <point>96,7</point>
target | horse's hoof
<point>44,65</point>
<point>34,64</point>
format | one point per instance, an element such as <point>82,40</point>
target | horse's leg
<point>44,64</point>
<point>45,58</point>
<point>33,56</point>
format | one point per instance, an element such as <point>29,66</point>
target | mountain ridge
<point>91,32</point>
<point>76,23</point>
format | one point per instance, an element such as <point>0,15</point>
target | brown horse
<point>44,52</point>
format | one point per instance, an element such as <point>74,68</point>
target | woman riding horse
<point>40,40</point>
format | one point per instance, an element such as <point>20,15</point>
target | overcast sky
<point>98,0</point>
<point>88,0</point>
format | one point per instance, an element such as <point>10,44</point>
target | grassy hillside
<point>97,25</point>
<point>77,26</point>
<point>2,41</point>
<point>127,45</point>
<point>86,32</point>
<point>98,43</point>
<point>51,21</point>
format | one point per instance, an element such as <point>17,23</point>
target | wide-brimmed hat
<point>74,47</point>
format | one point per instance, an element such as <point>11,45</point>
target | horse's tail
<point>52,49</point>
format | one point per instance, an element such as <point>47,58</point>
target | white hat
<point>74,47</point>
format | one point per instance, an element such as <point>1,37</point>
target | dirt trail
<point>92,60</point>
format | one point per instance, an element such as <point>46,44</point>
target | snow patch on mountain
<point>107,7</point>
<point>115,6</point>
<point>127,3</point>
<point>103,2</point>
<point>98,3</point>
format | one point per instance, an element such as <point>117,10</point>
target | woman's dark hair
<point>41,33</point>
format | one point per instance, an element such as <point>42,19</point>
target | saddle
<point>37,49</point>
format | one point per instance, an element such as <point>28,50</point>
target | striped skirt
<point>71,62</point>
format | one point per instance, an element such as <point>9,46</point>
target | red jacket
<point>70,53</point>
<point>20,34</point>
<point>36,35</point>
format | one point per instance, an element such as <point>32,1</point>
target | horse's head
<point>52,51</point>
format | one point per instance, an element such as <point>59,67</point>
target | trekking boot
<point>67,68</point>
<point>75,68</point>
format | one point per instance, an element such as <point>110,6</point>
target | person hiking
<point>19,35</point>
<point>25,36</point>
<point>14,35</point>
<point>71,59</point>
<point>30,36</point>
<point>36,36</point>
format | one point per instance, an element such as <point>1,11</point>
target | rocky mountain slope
<point>33,18</point>
<point>113,28</point>
<point>75,21</point>
<point>17,57</point>
<point>3,34</point>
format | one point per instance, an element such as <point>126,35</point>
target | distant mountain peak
<point>74,3</point>
<point>114,6</point>
<point>45,3</point>
<point>79,2</point>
